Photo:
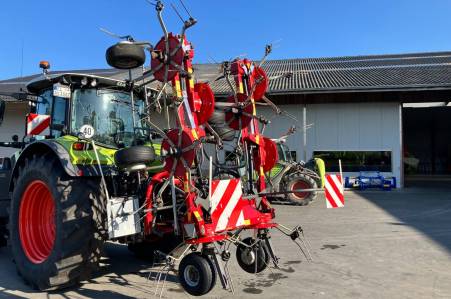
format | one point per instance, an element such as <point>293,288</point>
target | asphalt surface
<point>380,245</point>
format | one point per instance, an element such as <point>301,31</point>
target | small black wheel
<point>196,274</point>
<point>134,155</point>
<point>125,55</point>
<point>213,270</point>
<point>297,181</point>
<point>252,260</point>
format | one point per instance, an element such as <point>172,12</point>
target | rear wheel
<point>298,181</point>
<point>57,224</point>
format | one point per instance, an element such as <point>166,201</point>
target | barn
<point>385,113</point>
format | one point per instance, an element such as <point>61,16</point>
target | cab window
<point>45,101</point>
<point>56,107</point>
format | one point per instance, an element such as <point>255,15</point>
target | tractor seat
<point>134,158</point>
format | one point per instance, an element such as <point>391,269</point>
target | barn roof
<point>416,71</point>
<point>356,73</point>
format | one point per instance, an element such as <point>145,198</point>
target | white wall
<point>344,127</point>
<point>347,127</point>
<point>13,124</point>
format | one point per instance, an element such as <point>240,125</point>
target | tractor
<point>53,187</point>
<point>287,176</point>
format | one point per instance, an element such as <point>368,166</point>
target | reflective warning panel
<point>334,191</point>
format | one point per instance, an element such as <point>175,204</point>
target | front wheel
<point>57,224</point>
<point>196,274</point>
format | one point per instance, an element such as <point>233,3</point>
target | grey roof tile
<point>316,75</point>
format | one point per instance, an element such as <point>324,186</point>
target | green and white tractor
<point>77,177</point>
<point>289,175</point>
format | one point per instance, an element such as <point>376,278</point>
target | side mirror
<point>2,110</point>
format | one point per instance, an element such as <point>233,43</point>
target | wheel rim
<point>300,185</point>
<point>248,256</point>
<point>191,275</point>
<point>37,222</point>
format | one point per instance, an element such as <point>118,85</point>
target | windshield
<point>284,153</point>
<point>109,112</point>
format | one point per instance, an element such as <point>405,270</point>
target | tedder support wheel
<point>252,260</point>
<point>197,274</point>
<point>296,181</point>
<point>57,224</point>
<point>125,55</point>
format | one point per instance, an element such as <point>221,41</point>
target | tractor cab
<point>284,152</point>
<point>67,102</point>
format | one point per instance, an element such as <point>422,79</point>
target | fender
<point>41,147</point>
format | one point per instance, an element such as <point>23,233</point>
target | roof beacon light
<point>45,66</point>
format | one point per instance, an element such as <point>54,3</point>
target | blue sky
<point>67,32</point>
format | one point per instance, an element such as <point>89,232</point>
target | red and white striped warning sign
<point>334,191</point>
<point>224,204</point>
<point>38,124</point>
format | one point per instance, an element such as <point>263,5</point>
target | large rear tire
<point>57,224</point>
<point>296,181</point>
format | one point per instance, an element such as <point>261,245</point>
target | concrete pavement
<point>381,245</point>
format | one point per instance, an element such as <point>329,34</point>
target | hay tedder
<point>90,170</point>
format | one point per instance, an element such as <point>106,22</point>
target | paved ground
<point>381,245</point>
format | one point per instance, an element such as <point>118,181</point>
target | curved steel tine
<point>272,105</point>
<point>164,282</point>
<point>308,242</point>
